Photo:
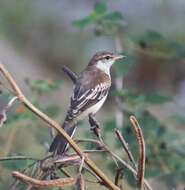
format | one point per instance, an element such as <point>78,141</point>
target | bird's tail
<point>59,144</point>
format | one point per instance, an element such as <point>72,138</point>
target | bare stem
<point>125,164</point>
<point>125,147</point>
<point>119,178</point>
<point>17,158</point>
<point>44,183</point>
<point>80,183</point>
<point>141,143</point>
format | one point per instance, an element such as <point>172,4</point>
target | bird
<point>89,94</point>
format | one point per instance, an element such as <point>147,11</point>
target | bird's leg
<point>95,126</point>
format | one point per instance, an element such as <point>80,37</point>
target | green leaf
<point>100,8</point>
<point>157,99</point>
<point>113,17</point>
<point>82,23</point>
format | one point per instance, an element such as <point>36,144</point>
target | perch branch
<point>44,183</point>
<point>141,161</point>
<point>56,126</point>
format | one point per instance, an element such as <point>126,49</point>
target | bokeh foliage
<point>164,144</point>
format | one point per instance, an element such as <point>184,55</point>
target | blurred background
<point>38,37</point>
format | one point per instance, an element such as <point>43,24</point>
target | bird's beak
<point>118,57</point>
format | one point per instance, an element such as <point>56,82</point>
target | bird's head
<point>104,60</point>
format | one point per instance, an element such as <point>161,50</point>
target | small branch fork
<point>50,164</point>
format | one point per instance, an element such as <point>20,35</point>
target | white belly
<point>93,109</point>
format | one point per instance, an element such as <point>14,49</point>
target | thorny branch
<point>56,126</point>
<point>125,147</point>
<point>44,183</point>
<point>124,163</point>
<point>76,159</point>
<point>141,143</point>
<point>16,158</point>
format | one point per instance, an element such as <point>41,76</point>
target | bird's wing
<point>85,96</point>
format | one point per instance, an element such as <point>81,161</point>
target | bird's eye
<point>107,57</point>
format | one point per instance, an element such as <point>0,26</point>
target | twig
<point>94,151</point>
<point>70,73</point>
<point>16,182</point>
<point>80,183</point>
<point>64,172</point>
<point>56,126</point>
<point>17,158</point>
<point>81,165</point>
<point>119,178</point>
<point>125,147</point>
<point>89,141</point>
<point>68,159</point>
<point>3,113</point>
<point>44,183</point>
<point>130,168</point>
<point>141,143</point>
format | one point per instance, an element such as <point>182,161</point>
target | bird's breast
<point>93,109</point>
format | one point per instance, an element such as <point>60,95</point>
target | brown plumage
<point>89,94</point>
<point>99,56</point>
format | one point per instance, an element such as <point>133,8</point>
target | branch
<point>3,113</point>
<point>80,183</point>
<point>129,167</point>
<point>17,158</point>
<point>119,178</point>
<point>125,147</point>
<point>44,183</point>
<point>56,126</point>
<point>141,142</point>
